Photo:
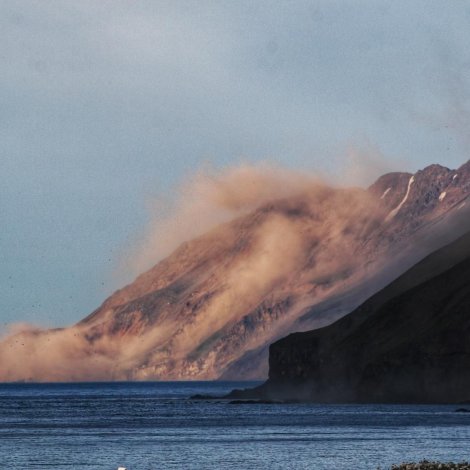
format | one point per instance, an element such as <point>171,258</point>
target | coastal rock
<point>427,465</point>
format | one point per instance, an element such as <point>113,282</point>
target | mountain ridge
<point>210,309</point>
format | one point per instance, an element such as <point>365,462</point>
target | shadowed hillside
<point>408,343</point>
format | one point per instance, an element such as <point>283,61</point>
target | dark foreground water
<point>155,426</point>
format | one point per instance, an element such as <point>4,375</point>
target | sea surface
<point>156,425</point>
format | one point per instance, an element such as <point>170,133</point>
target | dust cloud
<point>210,198</point>
<point>282,228</point>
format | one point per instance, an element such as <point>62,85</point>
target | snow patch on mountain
<point>385,193</point>
<point>395,211</point>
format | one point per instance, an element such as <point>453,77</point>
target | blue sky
<point>105,105</point>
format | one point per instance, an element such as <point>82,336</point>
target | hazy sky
<point>106,105</point>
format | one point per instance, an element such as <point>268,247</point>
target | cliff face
<point>408,343</point>
<point>212,307</point>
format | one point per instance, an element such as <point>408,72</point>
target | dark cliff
<point>408,343</point>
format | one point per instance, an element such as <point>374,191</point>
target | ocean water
<point>144,426</point>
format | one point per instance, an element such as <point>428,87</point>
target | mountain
<point>213,306</point>
<point>409,343</point>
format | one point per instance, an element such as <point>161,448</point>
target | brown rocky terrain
<point>211,308</point>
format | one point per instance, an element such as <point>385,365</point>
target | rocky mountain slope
<point>408,343</point>
<point>212,307</point>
